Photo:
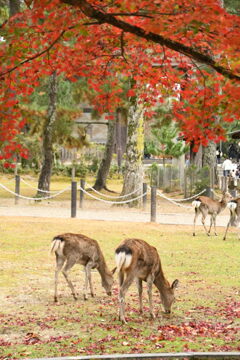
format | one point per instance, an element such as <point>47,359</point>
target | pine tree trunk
<point>133,176</point>
<point>46,170</point>
<point>103,170</point>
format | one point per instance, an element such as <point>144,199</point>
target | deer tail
<point>232,207</point>
<point>196,203</point>
<point>57,246</point>
<point>123,257</point>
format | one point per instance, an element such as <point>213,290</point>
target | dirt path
<point>167,212</point>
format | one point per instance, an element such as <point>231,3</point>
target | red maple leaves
<point>54,36</point>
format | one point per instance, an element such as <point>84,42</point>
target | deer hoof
<point>55,299</point>
<point>194,234</point>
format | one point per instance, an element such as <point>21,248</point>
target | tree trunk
<point>103,170</point>
<point>14,7</point>
<point>209,155</point>
<point>133,176</point>
<point>46,170</point>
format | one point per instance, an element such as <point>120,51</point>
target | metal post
<point>17,188</point>
<point>74,199</point>
<point>153,203</point>
<point>82,186</point>
<point>144,196</point>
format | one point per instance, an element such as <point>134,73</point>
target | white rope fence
<point>44,191</point>
<point>112,202</point>
<point>114,197</point>
<point>33,198</point>
<point>174,201</point>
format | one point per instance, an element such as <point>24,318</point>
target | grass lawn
<point>205,316</point>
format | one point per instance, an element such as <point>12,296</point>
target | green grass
<point>205,316</point>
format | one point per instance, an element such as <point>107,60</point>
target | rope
<point>190,198</point>
<point>45,191</point>
<point>112,202</point>
<point>30,198</point>
<point>114,197</point>
<point>178,200</point>
<point>184,206</point>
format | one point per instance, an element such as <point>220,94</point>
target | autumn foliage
<point>188,49</point>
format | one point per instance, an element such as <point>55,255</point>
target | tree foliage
<point>158,44</point>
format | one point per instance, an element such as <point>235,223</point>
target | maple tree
<point>157,44</point>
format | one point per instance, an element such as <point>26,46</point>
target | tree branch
<point>91,12</point>
<point>34,56</point>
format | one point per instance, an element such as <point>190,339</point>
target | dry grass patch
<point>205,316</point>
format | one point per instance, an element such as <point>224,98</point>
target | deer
<point>71,249</point>
<point>136,259</point>
<point>205,205</point>
<point>234,207</point>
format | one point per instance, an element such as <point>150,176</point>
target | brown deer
<point>136,259</point>
<point>234,207</point>
<point>205,205</point>
<point>71,249</point>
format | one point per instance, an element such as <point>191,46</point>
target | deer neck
<point>161,283</point>
<point>223,204</point>
<point>103,269</point>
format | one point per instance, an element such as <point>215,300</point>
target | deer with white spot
<point>205,205</point>
<point>137,260</point>
<point>234,207</point>
<point>71,249</point>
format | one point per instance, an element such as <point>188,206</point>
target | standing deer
<point>136,259</point>
<point>234,207</point>
<point>71,249</point>
<point>205,205</point>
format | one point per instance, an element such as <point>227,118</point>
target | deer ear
<point>175,284</point>
<point>113,270</point>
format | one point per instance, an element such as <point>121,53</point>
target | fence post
<point>74,199</point>
<point>17,188</point>
<point>153,203</point>
<point>144,196</point>
<point>208,192</point>
<point>82,186</point>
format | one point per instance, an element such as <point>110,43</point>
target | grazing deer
<point>136,259</point>
<point>205,205</point>
<point>234,207</point>
<point>71,249</point>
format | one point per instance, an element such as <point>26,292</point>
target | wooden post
<point>153,203</point>
<point>82,186</point>
<point>208,192</point>
<point>144,196</point>
<point>74,199</point>
<point>17,188</point>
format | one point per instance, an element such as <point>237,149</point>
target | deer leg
<point>149,287</point>
<point>194,221</point>
<point>69,264</point>
<point>203,222</point>
<point>140,290</point>
<point>123,289</point>
<point>225,235</point>
<point>88,279</point>
<point>59,264</point>
<point>211,222</point>
<point>214,216</point>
